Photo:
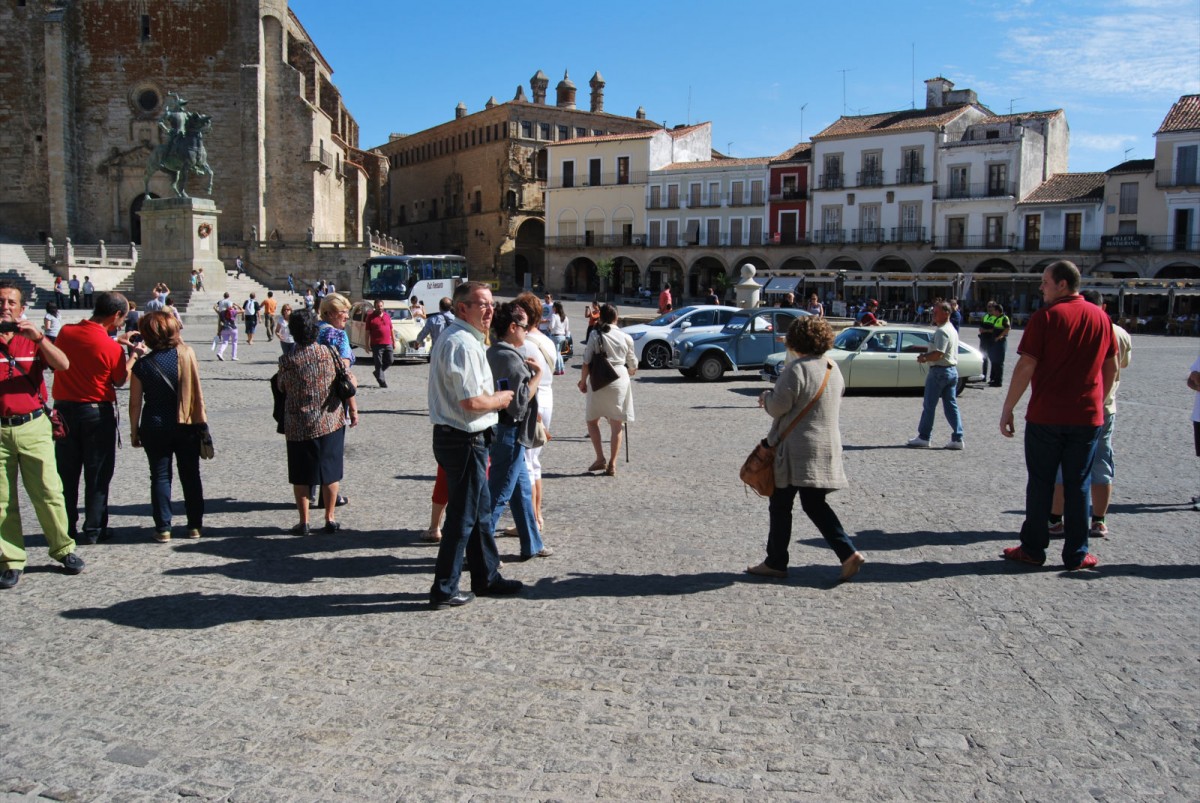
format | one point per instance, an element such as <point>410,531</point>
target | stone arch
<point>529,257</point>
<point>1179,270</point>
<point>845,263</point>
<point>665,269</point>
<point>798,263</point>
<point>703,274</point>
<point>942,265</point>
<point>995,265</point>
<point>892,263</point>
<point>580,279</point>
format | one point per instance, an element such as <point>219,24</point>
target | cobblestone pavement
<point>641,663</point>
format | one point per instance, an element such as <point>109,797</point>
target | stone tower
<point>566,92</point>
<point>539,83</point>
<point>597,85</point>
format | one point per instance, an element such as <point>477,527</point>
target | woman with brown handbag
<point>805,404</point>
<point>608,396</point>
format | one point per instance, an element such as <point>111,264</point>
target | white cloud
<point>1102,142</point>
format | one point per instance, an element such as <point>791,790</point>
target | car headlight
<point>638,335</point>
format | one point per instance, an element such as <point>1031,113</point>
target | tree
<point>604,272</point>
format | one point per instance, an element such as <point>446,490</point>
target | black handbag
<point>600,371</point>
<point>342,387</point>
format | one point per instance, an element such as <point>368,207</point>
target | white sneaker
<point>955,445</point>
<point>918,443</point>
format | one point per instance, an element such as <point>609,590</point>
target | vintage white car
<point>405,329</point>
<point>886,357</point>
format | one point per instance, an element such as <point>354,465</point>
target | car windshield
<point>399,314</point>
<point>737,323</point>
<point>671,317</point>
<point>850,339</point>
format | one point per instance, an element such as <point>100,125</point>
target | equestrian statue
<point>183,153</point>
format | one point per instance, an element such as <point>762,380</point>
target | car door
<point>876,363</point>
<point>911,374</point>
<point>761,337</point>
<point>356,327</point>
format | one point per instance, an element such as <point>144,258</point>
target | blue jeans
<point>508,481</point>
<point>1048,447</point>
<point>812,501</point>
<point>89,449</point>
<point>467,529</point>
<point>941,383</point>
<point>182,443</point>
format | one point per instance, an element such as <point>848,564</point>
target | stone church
<point>83,85</point>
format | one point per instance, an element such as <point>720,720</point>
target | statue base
<point>179,235</point>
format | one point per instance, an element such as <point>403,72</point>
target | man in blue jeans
<point>463,406</point>
<point>1068,356</point>
<point>941,383</point>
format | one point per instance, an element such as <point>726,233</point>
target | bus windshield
<point>398,278</point>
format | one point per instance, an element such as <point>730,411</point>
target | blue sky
<point>1115,67</point>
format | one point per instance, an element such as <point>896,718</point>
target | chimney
<point>936,90</point>
<point>460,111</point>
<point>566,92</point>
<point>490,102</point>
<point>641,113</point>
<point>520,96</point>
<point>539,83</point>
<point>597,85</point>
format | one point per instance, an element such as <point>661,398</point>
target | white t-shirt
<point>281,329</point>
<point>1196,406</point>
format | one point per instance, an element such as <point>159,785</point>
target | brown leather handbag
<point>758,472</point>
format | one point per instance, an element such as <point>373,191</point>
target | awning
<point>816,279</point>
<point>1186,291</point>
<point>1145,291</point>
<point>935,283</point>
<point>783,284</point>
<point>860,283</point>
<point>893,283</point>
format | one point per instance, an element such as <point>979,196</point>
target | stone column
<point>747,289</point>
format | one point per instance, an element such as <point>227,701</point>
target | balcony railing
<point>872,236</point>
<point>828,236</point>
<point>790,195</point>
<point>605,180</point>
<point>870,178</point>
<point>1061,242</point>
<point>831,181</point>
<point>974,242</point>
<point>662,203</point>
<point>321,158</point>
<point>910,175</point>
<point>589,240</point>
<point>1177,178</point>
<point>954,191</point>
<point>746,199</point>
<point>908,234</point>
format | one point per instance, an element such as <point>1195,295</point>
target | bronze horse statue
<point>182,155</point>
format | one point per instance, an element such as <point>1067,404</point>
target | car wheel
<point>711,369</point>
<point>962,385</point>
<point>656,354</point>
<point>690,373</point>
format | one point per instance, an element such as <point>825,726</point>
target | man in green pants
<point>26,441</point>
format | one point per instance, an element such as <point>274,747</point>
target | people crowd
<point>490,401</point>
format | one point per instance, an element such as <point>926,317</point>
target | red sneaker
<point>1019,554</point>
<point>1089,561</point>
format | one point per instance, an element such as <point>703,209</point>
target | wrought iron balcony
<point>1061,242</point>
<point>560,182</point>
<point>828,236</point>
<point>908,234</point>
<point>872,236</point>
<point>870,178</point>
<point>962,192</point>
<point>790,195</point>
<point>910,175</point>
<point>831,181</point>
<point>662,203</point>
<point>974,242</point>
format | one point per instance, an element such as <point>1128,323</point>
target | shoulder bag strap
<point>808,407</point>
<point>37,390</point>
<point>165,378</point>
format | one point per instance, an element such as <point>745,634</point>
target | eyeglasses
<point>481,304</point>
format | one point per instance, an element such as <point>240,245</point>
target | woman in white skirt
<point>614,401</point>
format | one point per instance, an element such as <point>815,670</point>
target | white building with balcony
<point>1063,217</point>
<point>1177,173</point>
<point>984,172</point>
<point>874,175</point>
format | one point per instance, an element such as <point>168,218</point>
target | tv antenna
<point>1011,102</point>
<point>802,108</point>
<point>843,72</point>
<point>1127,151</point>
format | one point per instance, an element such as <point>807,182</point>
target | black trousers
<point>90,449</point>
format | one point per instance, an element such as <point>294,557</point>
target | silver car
<point>652,341</point>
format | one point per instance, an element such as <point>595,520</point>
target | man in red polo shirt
<point>379,335</point>
<point>26,443</point>
<point>1069,356</point>
<point>85,396</point>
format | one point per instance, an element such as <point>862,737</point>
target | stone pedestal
<point>747,289</point>
<point>179,235</point>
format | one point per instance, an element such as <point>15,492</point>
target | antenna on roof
<point>729,148</point>
<point>1011,102</point>
<point>1127,150</point>
<point>802,108</point>
<point>843,72</point>
<point>914,75</point>
<point>689,114</point>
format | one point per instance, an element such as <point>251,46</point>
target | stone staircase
<point>22,265</point>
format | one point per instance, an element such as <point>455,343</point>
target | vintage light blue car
<point>744,343</point>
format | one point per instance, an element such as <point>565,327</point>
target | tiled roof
<point>907,120</point>
<point>1133,166</point>
<point>1184,115</point>
<point>606,138</point>
<point>717,163</point>
<point>800,152</point>
<point>1019,116</point>
<point>1066,187</point>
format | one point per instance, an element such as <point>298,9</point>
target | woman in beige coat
<point>808,462</point>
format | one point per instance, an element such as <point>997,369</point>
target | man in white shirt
<point>941,383</point>
<point>463,406</point>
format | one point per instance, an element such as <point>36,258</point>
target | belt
<point>96,405</point>
<point>18,420</point>
<point>445,429</point>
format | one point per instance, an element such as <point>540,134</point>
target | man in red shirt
<point>379,335</point>
<point>85,397</point>
<point>26,443</point>
<point>664,299</point>
<point>1069,356</point>
<point>868,318</point>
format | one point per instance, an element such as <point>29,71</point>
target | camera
<point>135,337</point>
<point>8,326</point>
<point>502,384</point>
